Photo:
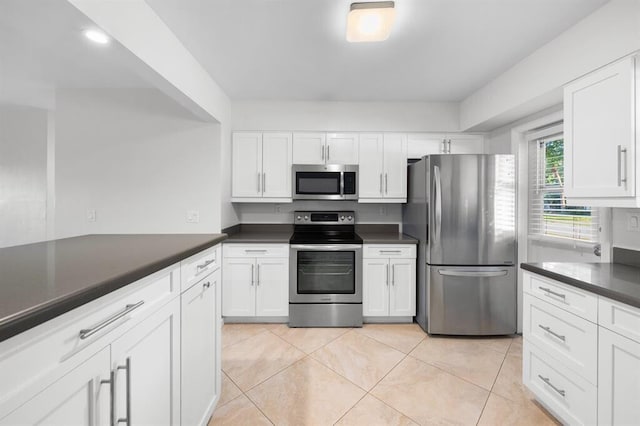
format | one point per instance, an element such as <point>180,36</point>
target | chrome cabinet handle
<point>393,274</point>
<point>444,146</point>
<point>112,396</point>
<point>449,146</point>
<point>258,181</point>
<point>88,332</point>
<point>252,276</point>
<point>322,151</point>
<point>548,382</point>
<point>621,151</point>
<point>202,266</point>
<point>386,273</point>
<point>328,152</point>
<point>455,273</point>
<point>548,330</point>
<point>255,250</point>
<point>386,183</point>
<point>549,291</point>
<point>389,251</point>
<point>258,274</point>
<point>380,183</point>
<point>127,420</point>
<point>207,284</point>
<point>264,182</point>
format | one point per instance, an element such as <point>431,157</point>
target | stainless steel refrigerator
<point>462,209</point>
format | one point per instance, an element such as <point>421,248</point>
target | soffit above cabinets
<point>439,50</point>
<point>42,48</point>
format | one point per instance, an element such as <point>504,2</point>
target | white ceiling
<point>42,49</point>
<point>439,50</point>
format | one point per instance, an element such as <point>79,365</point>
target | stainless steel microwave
<point>325,182</point>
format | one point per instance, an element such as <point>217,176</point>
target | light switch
<point>633,222</point>
<point>193,216</point>
<point>91,215</point>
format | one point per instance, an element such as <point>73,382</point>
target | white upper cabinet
<point>325,148</point>
<point>383,168</point>
<point>309,148</point>
<point>261,167</point>
<point>600,113</point>
<point>421,144</point>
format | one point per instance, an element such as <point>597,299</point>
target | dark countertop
<point>268,233</point>
<point>613,280</point>
<point>386,238</point>
<point>41,281</point>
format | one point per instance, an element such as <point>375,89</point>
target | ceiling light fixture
<point>97,36</point>
<point>370,21</point>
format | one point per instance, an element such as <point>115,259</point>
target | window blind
<point>550,215</point>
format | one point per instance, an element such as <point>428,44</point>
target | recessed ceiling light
<point>370,21</point>
<point>97,36</point>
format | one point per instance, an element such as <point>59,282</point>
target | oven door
<point>325,273</point>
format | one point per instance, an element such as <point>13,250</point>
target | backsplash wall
<point>283,213</point>
<point>621,235</point>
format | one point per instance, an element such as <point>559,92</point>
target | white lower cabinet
<point>200,353</point>
<point>581,353</point>
<point>146,361</point>
<point>78,398</point>
<point>255,283</point>
<point>389,284</point>
<point>618,379</point>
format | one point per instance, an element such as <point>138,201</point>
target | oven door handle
<point>323,247</point>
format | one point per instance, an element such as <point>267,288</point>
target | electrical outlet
<point>633,222</point>
<point>193,216</point>
<point>91,215</point>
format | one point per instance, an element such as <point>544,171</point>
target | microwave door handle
<point>341,178</point>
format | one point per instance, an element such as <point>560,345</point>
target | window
<point>549,213</point>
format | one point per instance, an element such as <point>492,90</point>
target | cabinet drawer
<point>32,360</point>
<point>571,299</point>
<point>199,265</point>
<point>256,250</point>
<point>565,393</point>
<point>567,337</point>
<point>619,317</point>
<point>389,251</point>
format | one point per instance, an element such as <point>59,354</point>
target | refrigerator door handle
<point>456,273</point>
<point>437,190</point>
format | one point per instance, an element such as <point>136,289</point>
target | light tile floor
<point>375,375</point>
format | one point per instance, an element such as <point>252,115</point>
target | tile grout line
<point>494,382</point>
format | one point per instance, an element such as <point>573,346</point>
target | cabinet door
<point>599,131</point>
<point>342,148</point>
<point>370,171</point>
<point>238,294</point>
<point>272,287</point>
<point>465,144</point>
<point>147,364</point>
<point>309,148</point>
<point>199,321</point>
<point>402,293</point>
<point>246,166</point>
<point>78,398</point>
<point>421,144</point>
<point>618,379</point>
<point>395,166</point>
<point>375,288</point>
<point>276,165</point>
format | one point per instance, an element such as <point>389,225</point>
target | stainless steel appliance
<point>325,271</point>
<point>325,182</point>
<point>462,209</point>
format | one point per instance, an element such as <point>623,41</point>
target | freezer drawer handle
<point>88,332</point>
<point>549,291</point>
<point>548,382</point>
<point>553,333</point>
<point>452,273</point>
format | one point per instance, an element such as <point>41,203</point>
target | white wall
<point>137,158</point>
<point>23,175</point>
<point>534,83</point>
<point>345,116</point>
<point>622,236</point>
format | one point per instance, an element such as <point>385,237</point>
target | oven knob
<point>306,218</point>
<point>299,217</point>
<point>349,218</point>
<point>341,217</point>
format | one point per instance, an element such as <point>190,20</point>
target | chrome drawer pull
<point>207,284</point>
<point>127,367</point>
<point>548,382</point>
<point>88,332</point>
<point>204,265</point>
<point>549,291</point>
<point>390,251</point>
<point>548,330</point>
<point>112,396</point>
<point>255,251</point>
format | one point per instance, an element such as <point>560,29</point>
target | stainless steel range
<point>325,270</point>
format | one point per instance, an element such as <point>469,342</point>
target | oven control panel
<point>324,218</point>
